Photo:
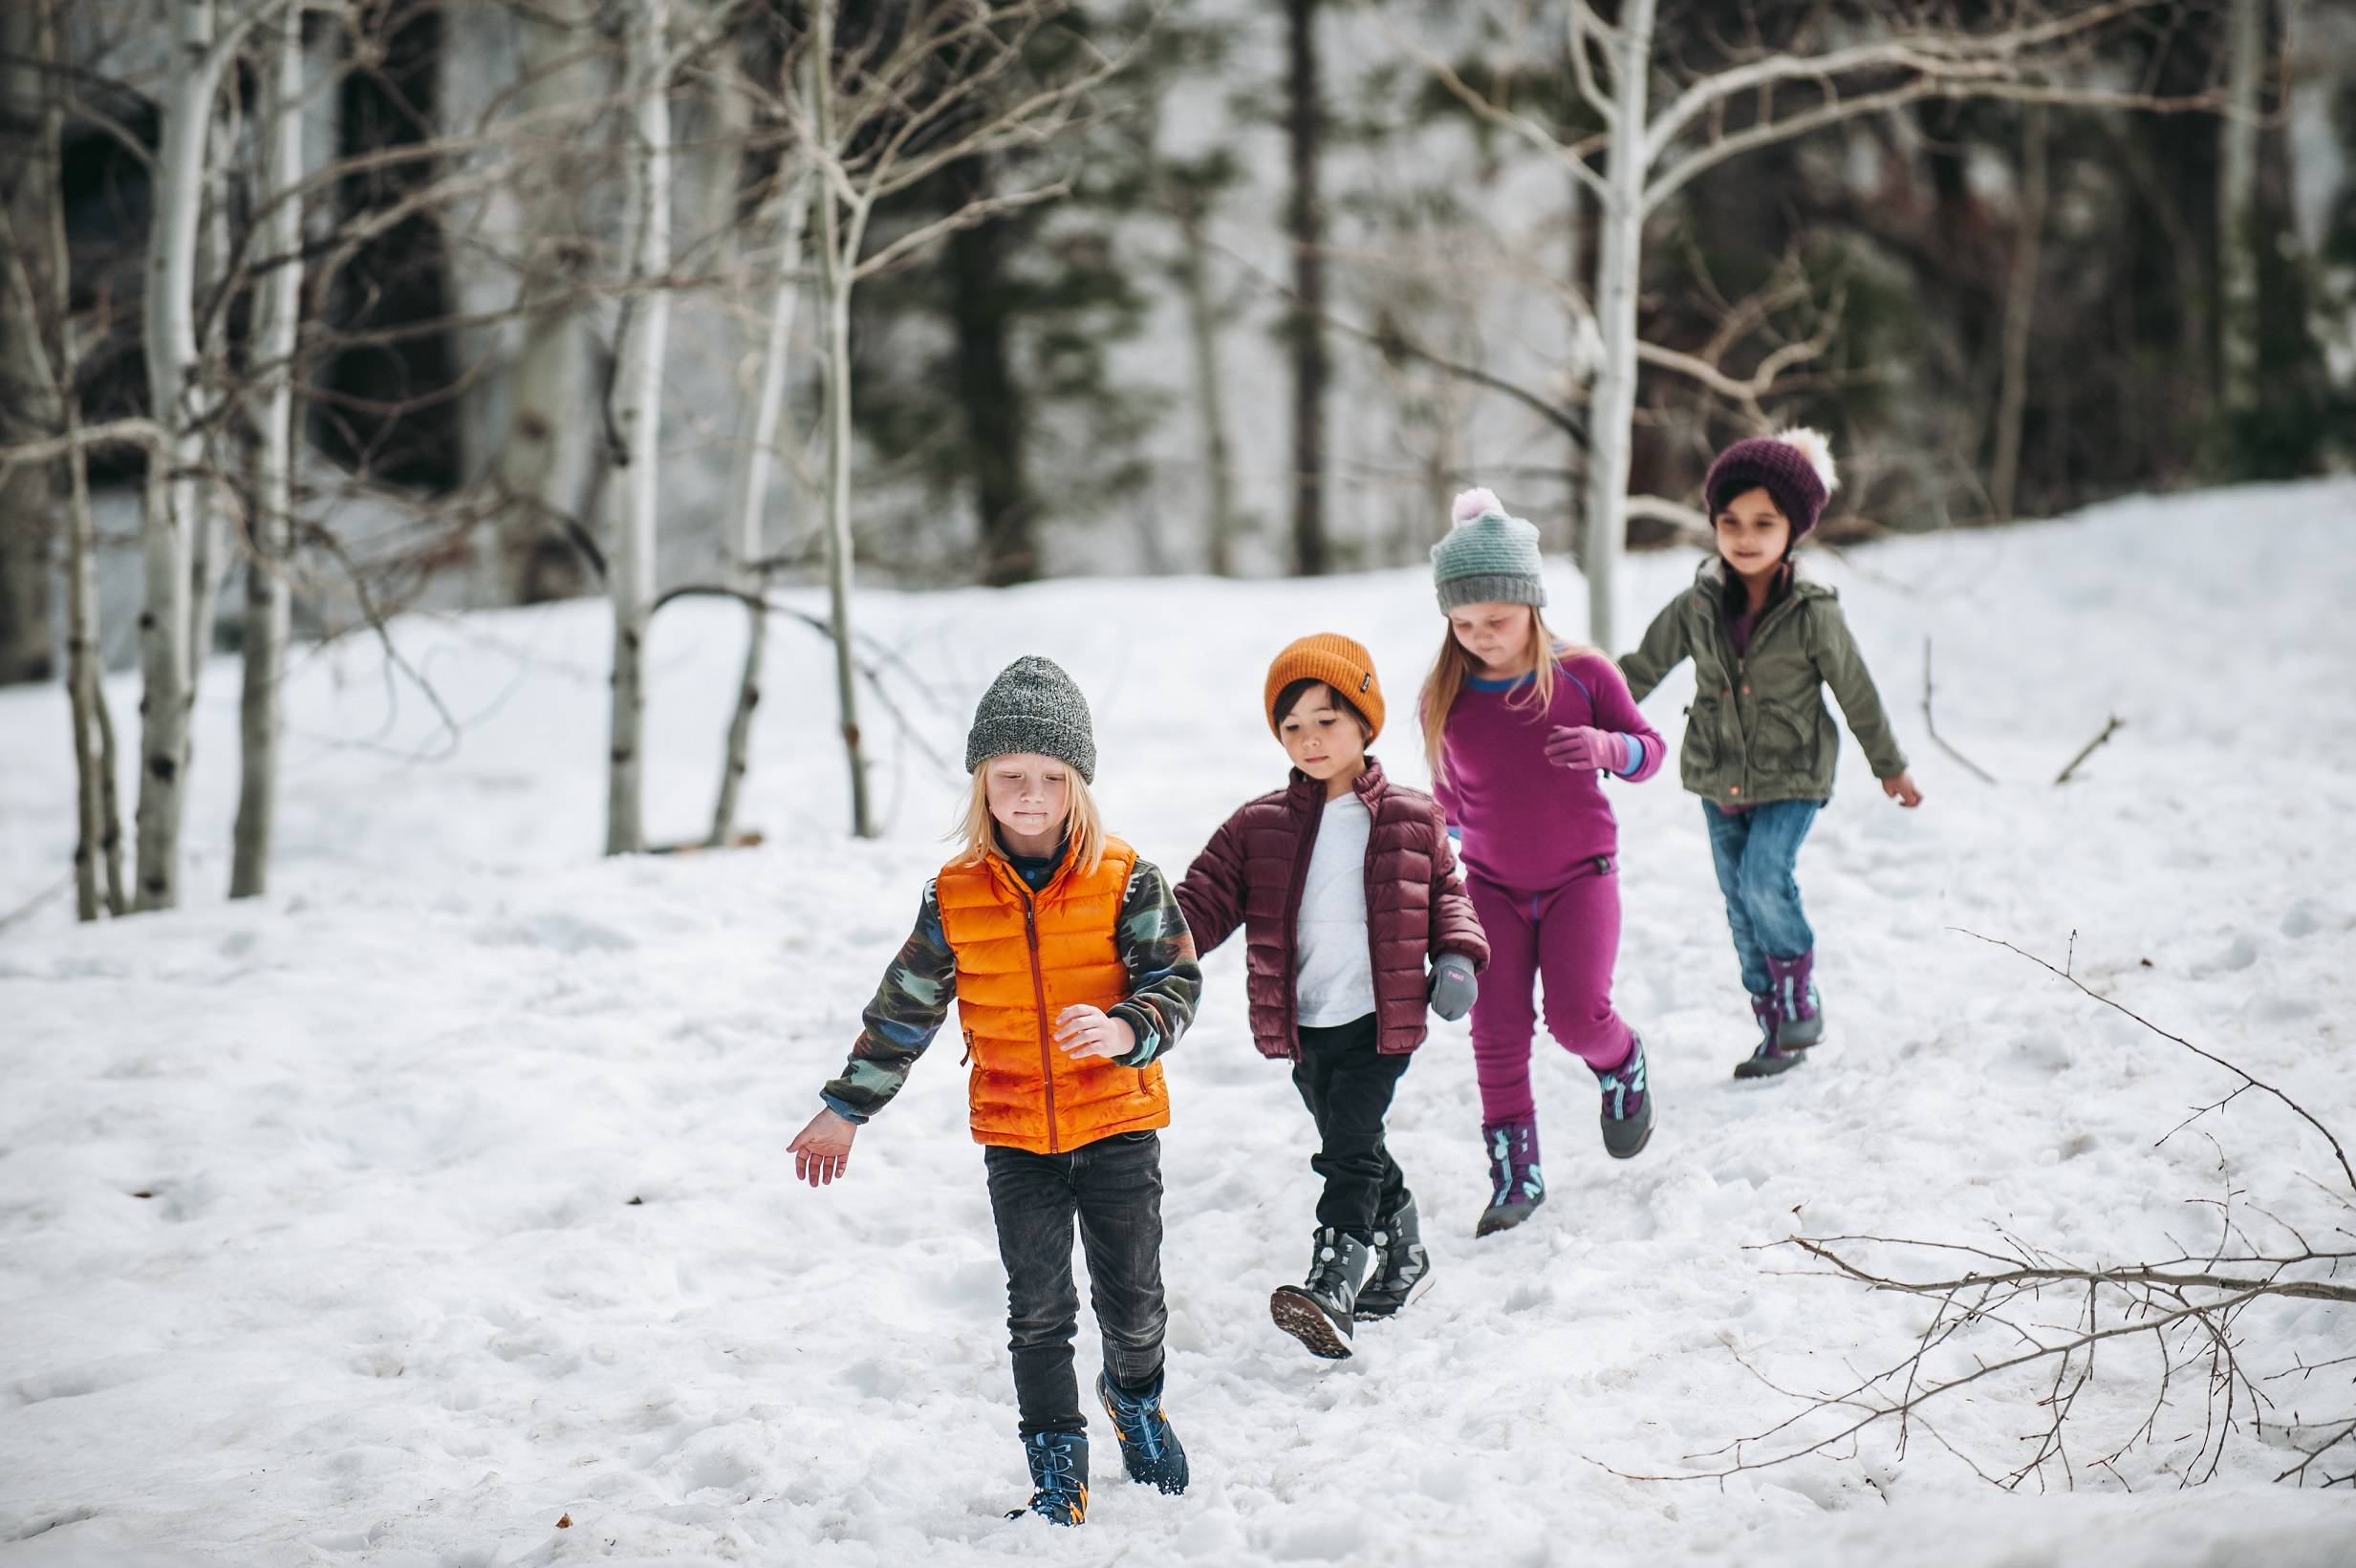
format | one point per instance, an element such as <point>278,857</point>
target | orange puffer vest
<point>1021,960</point>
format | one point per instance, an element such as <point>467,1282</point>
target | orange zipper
<point>1039,994</point>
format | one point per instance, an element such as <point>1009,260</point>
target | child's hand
<point>1585,750</point>
<point>1085,1031</point>
<point>822,1150</point>
<point>1454,986</point>
<point>1902,790</point>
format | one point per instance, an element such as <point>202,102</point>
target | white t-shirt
<point>1334,964</point>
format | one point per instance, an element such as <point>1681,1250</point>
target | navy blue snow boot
<point>1058,1478</point>
<point>1150,1448</point>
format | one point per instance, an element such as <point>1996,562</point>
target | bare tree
<point>39,287</point>
<point>638,412</point>
<point>786,215</point>
<point>545,466</point>
<point>886,109</point>
<point>28,188</point>
<point>181,406</point>
<point>1650,154</point>
<point>278,309</point>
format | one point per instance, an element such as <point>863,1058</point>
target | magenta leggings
<point>1566,938</point>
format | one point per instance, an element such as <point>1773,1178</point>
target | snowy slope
<point>392,1300</point>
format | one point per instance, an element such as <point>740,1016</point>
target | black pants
<point>1347,1084</point>
<point>1113,1188</point>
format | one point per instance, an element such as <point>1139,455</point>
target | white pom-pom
<point>1472,504</point>
<point>1817,448</point>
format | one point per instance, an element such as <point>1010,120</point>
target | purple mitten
<point>1586,749</point>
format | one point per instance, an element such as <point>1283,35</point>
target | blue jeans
<point>1756,850</point>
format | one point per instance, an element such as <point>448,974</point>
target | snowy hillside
<point>441,1196</point>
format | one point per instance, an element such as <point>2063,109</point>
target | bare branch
<point>2109,729</point>
<point>1521,125</point>
<point>1930,726</point>
<point>2250,1079</point>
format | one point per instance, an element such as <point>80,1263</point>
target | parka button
<point>1733,789</point>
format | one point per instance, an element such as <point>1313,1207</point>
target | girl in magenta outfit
<point>1520,730</point>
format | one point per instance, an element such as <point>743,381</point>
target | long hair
<point>1454,667</point>
<point>976,832</point>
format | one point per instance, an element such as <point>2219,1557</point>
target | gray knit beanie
<point>1488,557</point>
<point>1033,707</point>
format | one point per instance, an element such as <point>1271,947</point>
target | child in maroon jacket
<point>1346,887</point>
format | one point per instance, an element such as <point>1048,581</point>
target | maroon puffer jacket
<point>1251,874</point>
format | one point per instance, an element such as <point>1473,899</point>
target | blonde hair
<point>1083,832</point>
<point>1455,666</point>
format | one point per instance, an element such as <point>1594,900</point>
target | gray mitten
<point>1452,986</point>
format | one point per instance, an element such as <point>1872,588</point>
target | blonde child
<point>1073,974</point>
<point>1521,730</point>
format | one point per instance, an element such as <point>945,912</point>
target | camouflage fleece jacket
<point>1165,983</point>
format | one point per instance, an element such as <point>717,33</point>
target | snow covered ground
<point>441,1196</point>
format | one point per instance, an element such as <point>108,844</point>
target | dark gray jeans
<point>1113,1188</point>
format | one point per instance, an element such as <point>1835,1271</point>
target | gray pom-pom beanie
<point>1488,556</point>
<point>1033,707</point>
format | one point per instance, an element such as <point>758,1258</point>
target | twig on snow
<point>2110,729</point>
<point>1930,726</point>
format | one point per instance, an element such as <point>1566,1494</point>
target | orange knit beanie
<point>1340,663</point>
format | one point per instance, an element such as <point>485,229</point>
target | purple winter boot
<point>1516,1186</point>
<point>1801,1017</point>
<point>1769,1058</point>
<point>1628,1108</point>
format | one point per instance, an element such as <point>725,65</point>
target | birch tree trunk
<point>276,308</point>
<point>638,416</point>
<point>110,769</point>
<point>839,251</point>
<point>28,389</point>
<point>36,292</point>
<point>173,491</point>
<point>1621,219</point>
<point>2019,311</point>
<point>546,465</point>
<point>216,496</point>
<point>1304,131</point>
<point>749,485</point>
<point>2237,230</point>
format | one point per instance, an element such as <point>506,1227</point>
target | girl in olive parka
<point>1758,742</point>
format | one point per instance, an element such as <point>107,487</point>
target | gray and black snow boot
<point>1319,1312</point>
<point>1402,1267</point>
<point>1058,1478</point>
<point>1150,1448</point>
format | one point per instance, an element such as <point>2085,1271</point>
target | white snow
<point>392,1301</point>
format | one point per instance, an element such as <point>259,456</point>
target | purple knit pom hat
<point>1795,466</point>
